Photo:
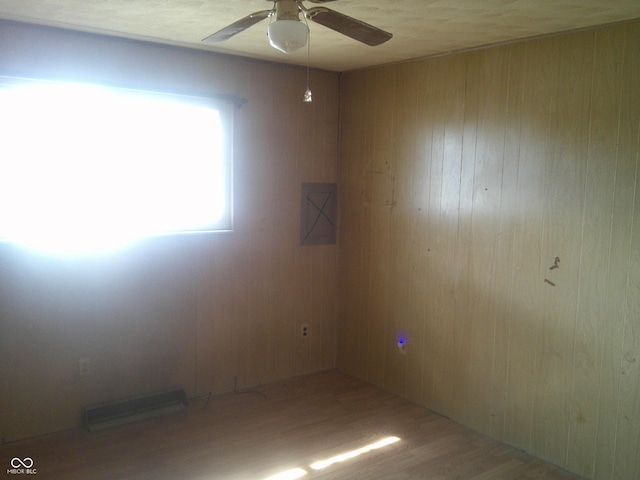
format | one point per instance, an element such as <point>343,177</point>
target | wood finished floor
<point>279,427</point>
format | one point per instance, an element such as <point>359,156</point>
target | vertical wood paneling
<point>328,309</point>
<point>380,169</point>
<point>622,228</point>
<point>459,374</point>
<point>430,170</point>
<point>319,151</point>
<point>259,307</point>
<point>447,97</point>
<point>526,308</point>
<point>505,240</point>
<point>413,251</point>
<point>214,375</point>
<point>627,442</point>
<point>492,79</point>
<point>592,311</point>
<point>418,356</point>
<point>355,244</point>
<point>562,235</point>
<point>519,154</point>
<point>400,322</point>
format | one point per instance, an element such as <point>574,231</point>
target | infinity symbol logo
<point>26,462</point>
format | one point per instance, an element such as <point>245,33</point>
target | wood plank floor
<point>277,428</point>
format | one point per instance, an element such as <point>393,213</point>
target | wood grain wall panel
<point>626,462</point>
<point>198,312</point>
<point>562,235</point>
<point>416,355</point>
<point>399,251</point>
<point>322,151</point>
<point>218,344</point>
<point>447,107</point>
<point>528,228</point>
<point>519,154</point>
<point>463,328</point>
<point>352,237</point>
<point>491,78</point>
<point>595,248</point>
<point>380,169</point>
<point>623,231</point>
<point>405,320</point>
<point>329,308</point>
<point>505,237</point>
<point>427,195</point>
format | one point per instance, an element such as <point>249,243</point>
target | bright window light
<point>86,168</point>
<point>353,453</point>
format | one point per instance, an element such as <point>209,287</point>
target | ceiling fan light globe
<point>288,35</point>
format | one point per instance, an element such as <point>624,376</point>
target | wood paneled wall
<point>192,311</point>
<point>462,179</point>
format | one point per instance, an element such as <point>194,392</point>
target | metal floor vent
<point>123,412</point>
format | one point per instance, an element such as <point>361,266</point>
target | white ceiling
<point>420,28</point>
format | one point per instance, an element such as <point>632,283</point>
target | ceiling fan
<point>288,33</point>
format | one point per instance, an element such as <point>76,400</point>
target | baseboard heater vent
<point>122,412</point>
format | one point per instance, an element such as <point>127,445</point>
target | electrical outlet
<point>83,365</point>
<point>304,331</point>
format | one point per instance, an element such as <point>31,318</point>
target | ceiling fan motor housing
<point>287,10</point>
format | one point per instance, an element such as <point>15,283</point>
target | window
<point>85,168</point>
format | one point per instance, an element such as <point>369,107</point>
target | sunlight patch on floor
<point>292,474</point>
<point>322,464</point>
<point>353,453</point>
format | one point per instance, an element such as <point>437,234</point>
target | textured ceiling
<point>420,27</point>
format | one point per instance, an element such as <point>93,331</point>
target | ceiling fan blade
<point>351,27</point>
<point>237,27</point>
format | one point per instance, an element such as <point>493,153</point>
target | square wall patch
<point>318,213</point>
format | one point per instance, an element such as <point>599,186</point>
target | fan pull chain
<point>307,94</point>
